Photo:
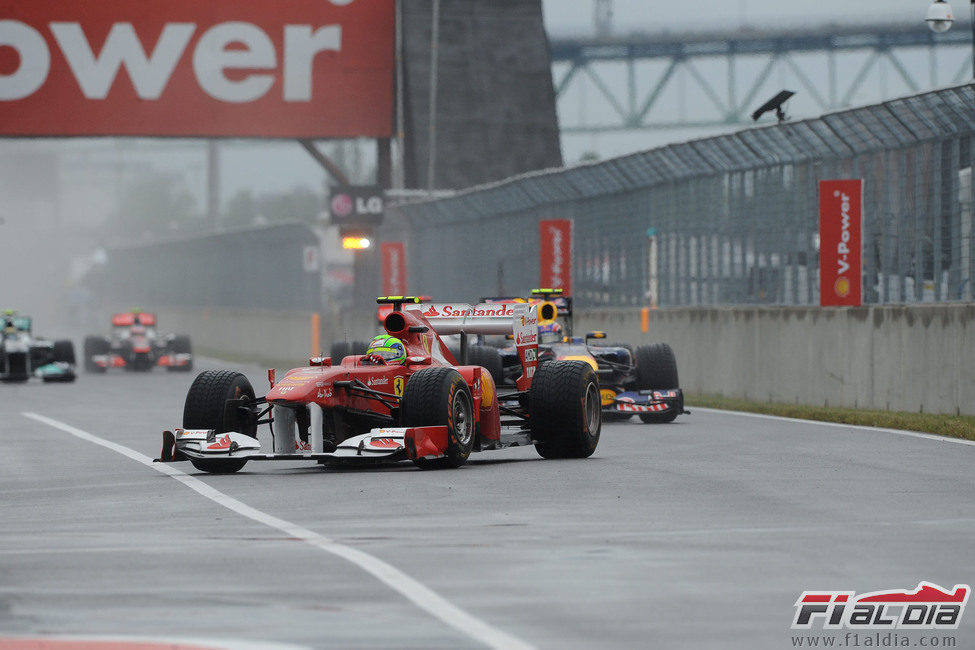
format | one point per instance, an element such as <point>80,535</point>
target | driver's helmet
<point>390,348</point>
<point>550,333</point>
<point>139,329</point>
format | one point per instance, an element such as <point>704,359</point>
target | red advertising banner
<point>393,268</point>
<point>260,68</point>
<point>840,242</point>
<point>555,256</point>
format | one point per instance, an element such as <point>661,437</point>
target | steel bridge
<point>711,80</point>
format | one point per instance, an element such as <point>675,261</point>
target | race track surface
<point>697,534</point>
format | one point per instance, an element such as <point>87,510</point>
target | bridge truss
<point>681,82</point>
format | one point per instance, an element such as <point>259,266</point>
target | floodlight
<point>774,104</point>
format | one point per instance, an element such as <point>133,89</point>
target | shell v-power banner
<point>260,68</point>
<point>840,242</point>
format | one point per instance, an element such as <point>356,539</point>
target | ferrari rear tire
<point>440,396</point>
<point>564,409</point>
<point>206,408</point>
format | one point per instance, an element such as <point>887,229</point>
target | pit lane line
<point>418,594</point>
<point>899,432</point>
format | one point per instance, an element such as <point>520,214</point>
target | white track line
<point>909,434</point>
<point>420,595</point>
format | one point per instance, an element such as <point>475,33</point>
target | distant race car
<point>407,398</point>
<point>135,345</point>
<point>23,356</point>
<point>641,381</point>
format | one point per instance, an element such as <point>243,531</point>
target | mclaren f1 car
<point>134,344</point>
<point>419,404</point>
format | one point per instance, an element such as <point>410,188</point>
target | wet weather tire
<point>656,366</point>
<point>64,352</point>
<point>489,358</point>
<point>206,408</point>
<point>564,409</point>
<point>440,396</point>
<point>181,345</point>
<point>95,345</point>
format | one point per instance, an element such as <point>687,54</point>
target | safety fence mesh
<point>731,219</point>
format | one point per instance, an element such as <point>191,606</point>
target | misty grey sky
<point>564,17</point>
<point>583,103</point>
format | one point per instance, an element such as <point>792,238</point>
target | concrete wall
<point>918,358</point>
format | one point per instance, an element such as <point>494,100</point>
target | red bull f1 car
<point>641,381</point>
<point>23,356</point>
<point>423,406</point>
<point>135,345</point>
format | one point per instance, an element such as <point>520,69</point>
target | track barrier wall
<point>900,358</point>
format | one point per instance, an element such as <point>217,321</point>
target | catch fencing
<point>725,220</point>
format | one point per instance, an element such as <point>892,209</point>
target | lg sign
<point>357,205</point>
<point>303,68</point>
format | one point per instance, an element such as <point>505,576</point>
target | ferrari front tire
<point>206,408</point>
<point>440,396</point>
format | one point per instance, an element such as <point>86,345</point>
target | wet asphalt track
<point>699,534</point>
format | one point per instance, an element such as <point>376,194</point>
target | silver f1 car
<point>23,356</point>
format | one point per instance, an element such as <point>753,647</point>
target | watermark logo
<point>928,607</point>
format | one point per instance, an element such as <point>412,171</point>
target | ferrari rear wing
<point>482,318</point>
<point>520,320</point>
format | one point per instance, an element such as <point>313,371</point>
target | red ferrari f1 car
<point>422,405</point>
